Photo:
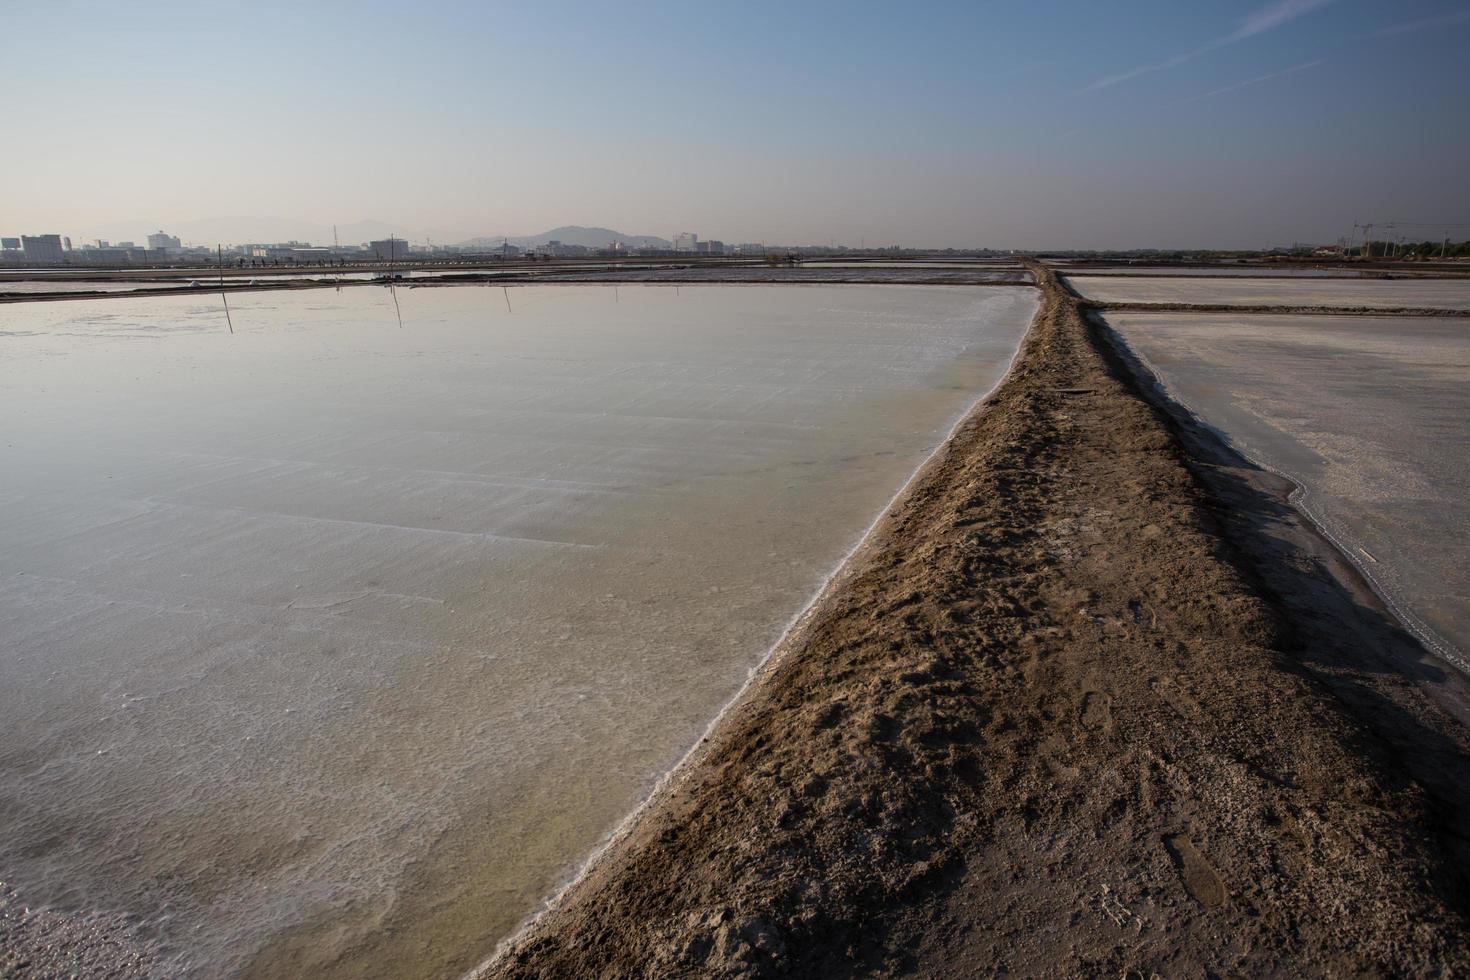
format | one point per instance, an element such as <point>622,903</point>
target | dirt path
<point>1091,703</point>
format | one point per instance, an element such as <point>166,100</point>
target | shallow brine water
<point>332,645</point>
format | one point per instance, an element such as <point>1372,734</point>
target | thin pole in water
<point>223,298</point>
<point>506,291</point>
<point>393,291</point>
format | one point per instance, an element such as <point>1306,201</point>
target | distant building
<point>751,248</point>
<point>94,255</point>
<point>389,248</point>
<point>167,243</point>
<point>686,241</point>
<point>294,252</point>
<point>10,243</point>
<point>42,248</point>
<point>711,247</point>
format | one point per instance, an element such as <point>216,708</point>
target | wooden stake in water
<point>223,298</point>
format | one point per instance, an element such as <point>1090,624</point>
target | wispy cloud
<point>1274,16</point>
<point>1265,19</point>
<point>1249,82</point>
<point>1425,23</point>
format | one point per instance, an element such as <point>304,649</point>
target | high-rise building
<point>42,248</point>
<point>686,241</point>
<point>165,242</point>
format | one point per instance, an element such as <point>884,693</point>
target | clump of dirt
<point>1055,720</point>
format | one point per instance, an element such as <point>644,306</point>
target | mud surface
<point>1093,701</point>
<point>41,942</point>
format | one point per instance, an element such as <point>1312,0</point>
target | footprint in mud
<point>1200,879</point>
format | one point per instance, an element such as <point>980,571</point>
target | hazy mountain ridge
<point>571,235</point>
<point>238,229</point>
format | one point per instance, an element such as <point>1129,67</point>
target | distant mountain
<point>239,229</point>
<point>572,235</point>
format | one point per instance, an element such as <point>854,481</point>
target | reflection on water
<point>330,645</point>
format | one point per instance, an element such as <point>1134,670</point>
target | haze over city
<point>1042,125</point>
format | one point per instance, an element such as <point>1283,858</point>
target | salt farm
<point>343,629</point>
<point>338,633</point>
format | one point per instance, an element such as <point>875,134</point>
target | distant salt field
<point>1249,271</point>
<point>1380,293</point>
<point>331,645</point>
<point>813,273</point>
<point>81,286</point>
<point>1367,413</point>
<point>910,264</point>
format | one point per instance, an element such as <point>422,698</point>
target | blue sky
<point>1044,124</point>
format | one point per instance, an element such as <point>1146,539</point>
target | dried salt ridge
<point>1093,701</point>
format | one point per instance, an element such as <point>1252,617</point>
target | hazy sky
<point>1028,125</point>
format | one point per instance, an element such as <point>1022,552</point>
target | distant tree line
<point>1417,250</point>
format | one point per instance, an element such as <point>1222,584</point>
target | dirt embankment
<point>1087,705</point>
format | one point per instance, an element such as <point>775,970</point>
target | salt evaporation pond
<point>1205,271</point>
<point>1449,294</point>
<point>331,646</point>
<point>82,286</point>
<point>1367,414</point>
